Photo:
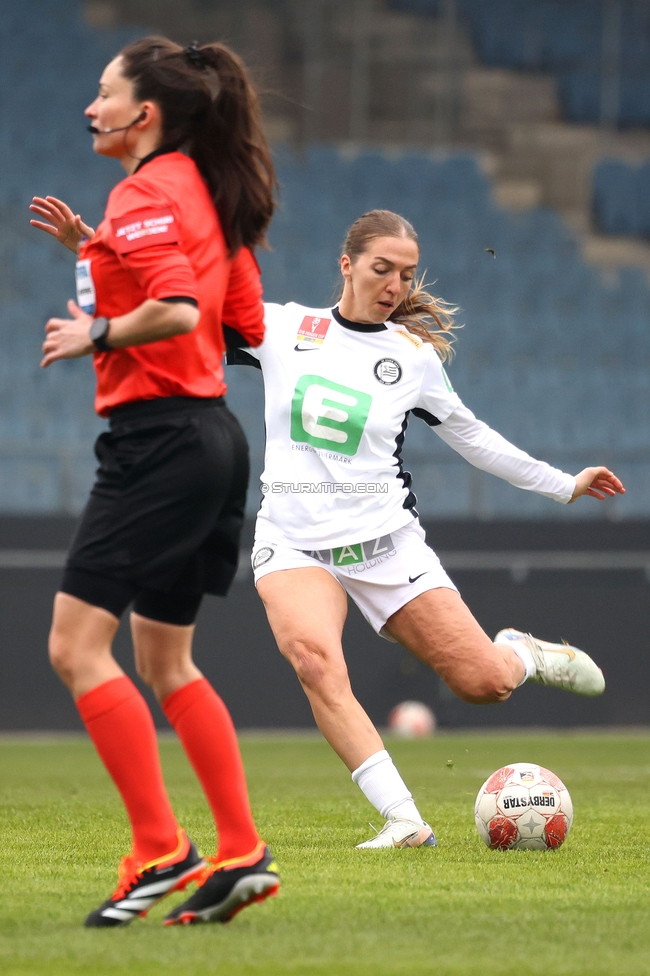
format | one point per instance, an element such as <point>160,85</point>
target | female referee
<point>338,515</point>
<point>168,269</point>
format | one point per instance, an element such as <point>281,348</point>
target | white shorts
<point>381,575</point>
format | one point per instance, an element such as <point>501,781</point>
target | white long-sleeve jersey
<point>338,400</point>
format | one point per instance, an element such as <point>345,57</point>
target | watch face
<point>97,329</point>
<point>98,333</point>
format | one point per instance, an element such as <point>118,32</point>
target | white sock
<point>521,649</point>
<point>383,786</point>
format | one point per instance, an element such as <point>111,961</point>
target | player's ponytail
<point>427,317</point>
<point>210,110</point>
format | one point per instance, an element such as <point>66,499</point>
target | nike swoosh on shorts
<point>418,577</point>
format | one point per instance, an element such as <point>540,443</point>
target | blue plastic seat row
<point>564,38</point>
<point>621,198</point>
<point>553,355</point>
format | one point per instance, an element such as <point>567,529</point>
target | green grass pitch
<point>457,909</point>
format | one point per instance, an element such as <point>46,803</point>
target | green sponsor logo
<point>361,552</point>
<point>348,555</point>
<point>328,415</point>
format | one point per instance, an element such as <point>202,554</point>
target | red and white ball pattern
<point>412,720</point>
<point>523,807</point>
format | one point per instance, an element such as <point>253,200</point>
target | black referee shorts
<point>163,521</point>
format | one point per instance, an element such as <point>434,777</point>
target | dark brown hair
<point>419,309</point>
<point>210,110</point>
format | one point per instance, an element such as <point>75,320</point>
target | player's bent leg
<point>439,629</point>
<point>308,633</point>
<point>556,665</point>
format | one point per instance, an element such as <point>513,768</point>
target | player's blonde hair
<point>427,317</point>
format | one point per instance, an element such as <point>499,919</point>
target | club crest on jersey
<point>388,371</point>
<point>312,332</point>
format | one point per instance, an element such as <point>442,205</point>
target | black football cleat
<point>142,885</point>
<point>226,890</point>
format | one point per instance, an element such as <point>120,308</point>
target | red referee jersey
<point>161,238</point>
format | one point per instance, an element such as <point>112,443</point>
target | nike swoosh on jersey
<point>418,577</point>
<point>306,348</point>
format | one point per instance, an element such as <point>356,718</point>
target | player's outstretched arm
<point>59,221</point>
<point>597,482</point>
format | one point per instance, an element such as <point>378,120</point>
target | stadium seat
<point>563,38</point>
<point>552,355</point>
<point>621,198</point>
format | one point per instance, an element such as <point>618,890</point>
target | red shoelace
<point>128,873</point>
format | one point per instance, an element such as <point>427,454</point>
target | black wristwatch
<point>99,334</point>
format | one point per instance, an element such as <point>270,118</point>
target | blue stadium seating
<point>564,38</point>
<point>621,198</point>
<point>50,63</point>
<point>551,355</point>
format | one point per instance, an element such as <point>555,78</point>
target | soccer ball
<point>523,807</point>
<point>412,720</point>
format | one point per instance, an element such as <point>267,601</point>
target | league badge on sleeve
<point>311,333</point>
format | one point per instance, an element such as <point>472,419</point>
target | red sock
<point>121,727</point>
<point>204,726</point>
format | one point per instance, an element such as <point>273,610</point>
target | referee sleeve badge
<point>142,229</point>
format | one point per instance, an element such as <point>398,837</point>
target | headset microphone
<point>103,132</point>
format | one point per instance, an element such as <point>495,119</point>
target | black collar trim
<point>153,155</point>
<point>356,326</point>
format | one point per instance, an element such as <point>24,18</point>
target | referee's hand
<point>59,221</point>
<point>598,482</point>
<point>68,338</point>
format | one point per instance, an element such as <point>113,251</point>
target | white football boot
<point>558,665</point>
<point>398,832</point>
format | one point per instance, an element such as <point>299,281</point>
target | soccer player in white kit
<point>339,517</point>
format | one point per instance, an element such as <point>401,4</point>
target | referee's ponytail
<point>426,317</point>
<point>210,110</point>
